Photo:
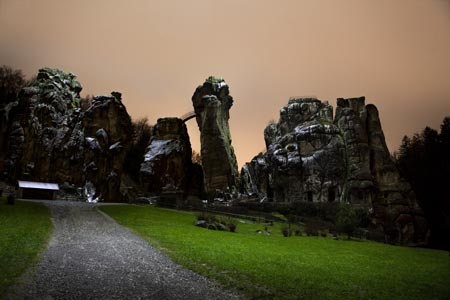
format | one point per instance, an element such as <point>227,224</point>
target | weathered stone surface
<point>42,126</point>
<point>51,139</point>
<point>401,215</point>
<point>351,117</point>
<point>107,138</point>
<point>304,159</point>
<point>313,157</point>
<point>212,103</point>
<point>254,179</point>
<point>167,170</point>
<point>168,159</point>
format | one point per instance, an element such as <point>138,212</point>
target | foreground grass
<point>274,267</point>
<point>24,230</point>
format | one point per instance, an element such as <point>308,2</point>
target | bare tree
<point>11,82</point>
<point>141,139</point>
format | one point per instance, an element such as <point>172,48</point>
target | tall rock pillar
<point>212,103</point>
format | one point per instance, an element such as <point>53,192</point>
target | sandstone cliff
<point>168,170</point>
<point>108,135</point>
<point>168,157</point>
<point>314,157</point>
<point>212,103</point>
<point>52,139</point>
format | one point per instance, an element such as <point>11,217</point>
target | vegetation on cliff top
<point>214,79</point>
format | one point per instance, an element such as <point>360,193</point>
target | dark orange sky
<point>396,53</point>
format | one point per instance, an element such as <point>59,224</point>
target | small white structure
<point>37,190</point>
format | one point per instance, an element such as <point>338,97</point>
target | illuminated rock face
<point>52,139</point>
<point>212,103</point>
<point>167,161</point>
<point>314,157</point>
<point>168,170</point>
<point>43,131</point>
<point>305,153</point>
<point>108,134</point>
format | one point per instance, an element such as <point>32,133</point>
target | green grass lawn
<point>24,230</point>
<point>275,267</point>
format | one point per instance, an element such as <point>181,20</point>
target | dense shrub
<point>286,231</point>
<point>291,229</point>
<point>11,199</point>
<point>316,218</point>
<point>347,220</point>
<point>214,222</point>
<point>326,211</point>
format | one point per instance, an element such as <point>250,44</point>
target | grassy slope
<point>274,267</point>
<point>24,229</point>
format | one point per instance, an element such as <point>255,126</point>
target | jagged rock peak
<point>212,102</point>
<point>213,92</point>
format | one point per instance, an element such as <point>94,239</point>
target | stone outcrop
<point>396,211</point>
<point>212,103</point>
<point>168,157</point>
<point>52,139</point>
<point>314,157</point>
<point>107,135</point>
<point>41,128</point>
<point>167,170</point>
<point>304,145</point>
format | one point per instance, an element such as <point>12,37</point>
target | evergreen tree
<point>424,160</point>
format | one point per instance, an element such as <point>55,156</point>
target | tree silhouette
<point>11,82</point>
<point>135,156</point>
<point>424,160</point>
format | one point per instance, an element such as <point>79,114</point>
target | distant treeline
<point>424,160</point>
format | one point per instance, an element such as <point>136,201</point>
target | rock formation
<point>313,157</point>
<point>167,169</point>
<point>305,145</point>
<point>52,139</point>
<point>41,128</point>
<point>47,135</point>
<point>212,103</point>
<point>168,158</point>
<point>107,133</point>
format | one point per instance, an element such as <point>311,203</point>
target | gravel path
<point>90,256</point>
